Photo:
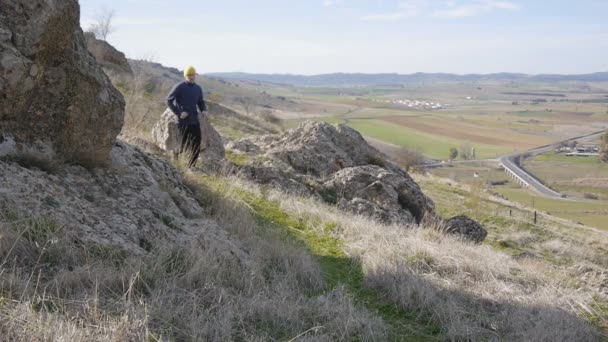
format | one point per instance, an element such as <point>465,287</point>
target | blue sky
<point>323,36</point>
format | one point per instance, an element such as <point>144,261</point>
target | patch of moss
<point>238,158</point>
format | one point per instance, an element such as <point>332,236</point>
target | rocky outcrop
<point>138,202</point>
<point>318,149</point>
<point>166,136</point>
<point>338,165</point>
<point>52,91</point>
<point>370,190</point>
<point>466,228</point>
<point>106,55</point>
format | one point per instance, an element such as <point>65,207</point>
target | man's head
<point>190,74</point>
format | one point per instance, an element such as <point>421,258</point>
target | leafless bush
<point>103,24</point>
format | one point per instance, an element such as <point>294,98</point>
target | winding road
<point>523,176</point>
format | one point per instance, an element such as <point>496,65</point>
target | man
<point>183,101</point>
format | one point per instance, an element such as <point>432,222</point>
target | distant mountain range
<point>358,79</point>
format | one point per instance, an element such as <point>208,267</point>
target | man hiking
<point>183,101</point>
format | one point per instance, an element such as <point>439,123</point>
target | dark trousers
<point>191,142</point>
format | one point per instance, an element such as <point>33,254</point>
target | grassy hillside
<point>312,272</point>
<point>234,110</point>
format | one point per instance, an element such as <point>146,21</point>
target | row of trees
<point>465,151</point>
<point>604,148</point>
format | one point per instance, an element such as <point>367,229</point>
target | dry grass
<point>474,292</point>
<point>55,287</point>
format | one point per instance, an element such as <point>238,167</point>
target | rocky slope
<point>107,56</point>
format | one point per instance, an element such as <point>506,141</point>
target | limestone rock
<point>385,195</point>
<point>466,228</point>
<point>317,148</point>
<point>166,135</point>
<point>137,202</point>
<point>52,90</point>
<point>106,55</point>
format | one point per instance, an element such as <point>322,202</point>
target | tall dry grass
<point>53,286</point>
<point>474,292</point>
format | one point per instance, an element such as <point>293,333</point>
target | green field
<point>561,157</point>
<point>594,214</point>
<point>427,144</point>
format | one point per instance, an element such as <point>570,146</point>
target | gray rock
<point>139,201</point>
<point>52,90</point>
<point>385,195</point>
<point>466,228</point>
<point>317,148</point>
<point>106,55</point>
<point>166,136</point>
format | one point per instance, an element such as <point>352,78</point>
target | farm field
<point>495,118</point>
<point>580,177</point>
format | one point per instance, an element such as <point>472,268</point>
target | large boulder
<point>465,228</point>
<point>338,165</point>
<point>106,55</point>
<point>52,91</point>
<point>316,148</point>
<point>391,197</point>
<point>166,136</point>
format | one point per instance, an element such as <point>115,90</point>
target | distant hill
<point>359,79</point>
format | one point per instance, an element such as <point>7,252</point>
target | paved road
<point>508,162</point>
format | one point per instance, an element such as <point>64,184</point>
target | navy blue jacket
<point>185,97</point>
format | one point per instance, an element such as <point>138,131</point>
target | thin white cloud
<point>439,9</point>
<point>474,8</point>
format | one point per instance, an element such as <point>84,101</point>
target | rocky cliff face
<point>53,93</point>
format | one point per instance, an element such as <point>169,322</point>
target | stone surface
<point>106,55</point>
<point>138,202</point>
<point>391,197</point>
<point>52,90</point>
<point>166,136</point>
<point>338,165</point>
<point>466,228</point>
<point>314,148</point>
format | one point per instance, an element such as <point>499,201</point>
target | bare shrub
<point>103,24</point>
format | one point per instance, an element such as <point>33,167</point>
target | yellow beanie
<point>189,71</point>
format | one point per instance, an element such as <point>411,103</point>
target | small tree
<point>248,104</point>
<point>408,158</point>
<point>453,153</point>
<point>103,25</point>
<point>465,151</point>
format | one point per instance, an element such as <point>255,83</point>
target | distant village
<point>415,104</point>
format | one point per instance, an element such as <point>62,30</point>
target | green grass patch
<point>589,213</point>
<point>561,157</point>
<point>238,158</point>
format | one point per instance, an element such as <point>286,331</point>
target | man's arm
<point>171,99</point>
<point>201,102</point>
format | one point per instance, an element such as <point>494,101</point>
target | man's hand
<point>183,115</point>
